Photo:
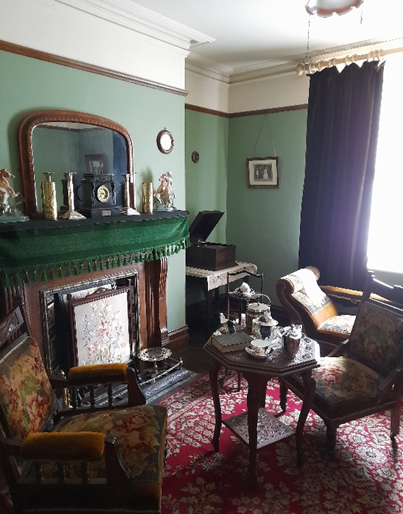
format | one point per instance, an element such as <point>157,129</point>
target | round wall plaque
<point>195,156</point>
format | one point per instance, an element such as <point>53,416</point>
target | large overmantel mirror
<point>60,141</point>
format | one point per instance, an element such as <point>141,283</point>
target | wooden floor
<point>194,357</point>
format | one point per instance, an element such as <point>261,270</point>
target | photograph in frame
<point>262,172</point>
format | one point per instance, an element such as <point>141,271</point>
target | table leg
<point>213,374</point>
<point>309,392</point>
<point>283,396</point>
<point>262,398</point>
<point>209,296</point>
<point>254,401</point>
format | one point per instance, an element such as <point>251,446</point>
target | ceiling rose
<point>325,8</point>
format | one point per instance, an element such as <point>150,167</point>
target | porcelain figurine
<point>164,196</point>
<point>7,212</point>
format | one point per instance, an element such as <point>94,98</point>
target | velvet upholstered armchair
<point>311,305</point>
<point>84,458</point>
<point>364,374</point>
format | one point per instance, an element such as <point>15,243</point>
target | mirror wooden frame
<point>34,119</point>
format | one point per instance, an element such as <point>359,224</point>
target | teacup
<point>259,343</point>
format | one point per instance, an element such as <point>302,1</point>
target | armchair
<point>364,374</point>
<point>309,304</point>
<point>85,458</point>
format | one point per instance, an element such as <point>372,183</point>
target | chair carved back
<point>12,327</point>
<point>377,335</point>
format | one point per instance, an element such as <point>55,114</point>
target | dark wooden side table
<point>257,427</point>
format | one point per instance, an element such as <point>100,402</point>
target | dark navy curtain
<point>342,133</point>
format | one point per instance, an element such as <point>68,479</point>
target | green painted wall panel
<point>27,85</point>
<point>264,223</point>
<point>206,181</point>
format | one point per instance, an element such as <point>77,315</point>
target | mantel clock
<point>98,190</point>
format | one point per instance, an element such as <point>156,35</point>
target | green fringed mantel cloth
<point>41,250</point>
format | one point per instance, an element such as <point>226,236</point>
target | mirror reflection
<point>96,151</point>
<point>60,147</point>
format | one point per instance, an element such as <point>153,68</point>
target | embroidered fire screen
<point>101,327</point>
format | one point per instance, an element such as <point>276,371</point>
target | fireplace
<point>39,259</point>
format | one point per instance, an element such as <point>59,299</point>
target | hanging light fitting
<point>326,8</point>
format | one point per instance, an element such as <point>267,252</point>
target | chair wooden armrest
<point>353,296</point>
<point>63,446</point>
<point>11,446</point>
<point>392,379</point>
<point>97,374</point>
<point>340,349</point>
<point>75,446</point>
<point>101,374</point>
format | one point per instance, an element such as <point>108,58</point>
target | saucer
<point>257,353</point>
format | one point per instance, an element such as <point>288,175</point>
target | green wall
<point>264,223</point>
<point>206,181</point>
<point>28,85</point>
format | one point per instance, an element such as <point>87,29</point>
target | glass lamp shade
<point>325,8</point>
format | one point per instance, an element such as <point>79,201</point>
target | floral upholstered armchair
<point>85,458</point>
<point>311,305</point>
<point>364,374</point>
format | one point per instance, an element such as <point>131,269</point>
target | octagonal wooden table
<point>257,373</point>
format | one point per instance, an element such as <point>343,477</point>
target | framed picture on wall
<point>262,172</point>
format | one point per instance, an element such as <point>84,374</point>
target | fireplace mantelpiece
<point>41,250</point>
<point>37,255</point>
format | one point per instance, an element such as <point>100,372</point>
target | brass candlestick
<point>71,213</point>
<point>49,205</point>
<point>148,197</point>
<point>126,209</point>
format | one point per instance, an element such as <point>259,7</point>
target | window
<point>384,246</point>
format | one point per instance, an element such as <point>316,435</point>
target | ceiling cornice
<point>134,17</point>
<point>208,68</point>
<point>230,76</point>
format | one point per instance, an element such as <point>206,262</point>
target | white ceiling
<point>256,34</point>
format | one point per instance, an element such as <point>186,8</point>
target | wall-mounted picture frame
<point>262,172</point>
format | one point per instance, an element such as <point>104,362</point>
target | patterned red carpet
<point>366,477</point>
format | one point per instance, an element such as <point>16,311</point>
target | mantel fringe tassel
<point>41,250</point>
<point>30,273</point>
